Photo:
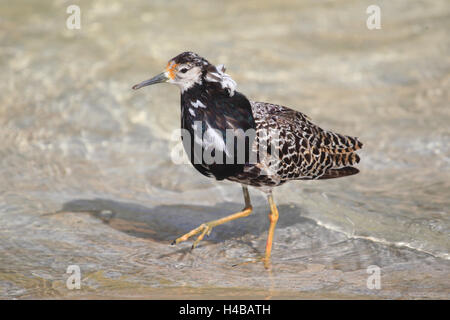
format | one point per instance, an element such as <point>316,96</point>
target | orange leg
<point>273,217</point>
<point>206,228</point>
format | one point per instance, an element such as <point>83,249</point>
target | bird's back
<point>294,148</point>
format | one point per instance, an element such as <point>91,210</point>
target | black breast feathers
<point>217,122</point>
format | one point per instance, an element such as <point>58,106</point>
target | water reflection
<point>75,138</point>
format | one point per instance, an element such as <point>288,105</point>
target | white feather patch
<point>197,104</point>
<point>224,79</point>
<point>214,138</point>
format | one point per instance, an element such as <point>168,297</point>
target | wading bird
<point>285,144</point>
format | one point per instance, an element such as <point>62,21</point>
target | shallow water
<point>86,176</point>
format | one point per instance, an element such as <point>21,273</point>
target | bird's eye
<point>184,70</point>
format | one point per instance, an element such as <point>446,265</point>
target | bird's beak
<point>162,77</point>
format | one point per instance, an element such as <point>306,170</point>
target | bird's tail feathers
<point>338,173</point>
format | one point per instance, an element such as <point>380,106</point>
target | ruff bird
<point>258,144</point>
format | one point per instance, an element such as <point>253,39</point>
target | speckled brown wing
<point>304,150</point>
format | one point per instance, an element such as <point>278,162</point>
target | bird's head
<point>188,69</point>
